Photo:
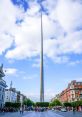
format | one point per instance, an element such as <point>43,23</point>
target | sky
<point>20,36</point>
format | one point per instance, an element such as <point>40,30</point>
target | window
<point>2,97</point>
<point>3,89</point>
<point>0,89</point>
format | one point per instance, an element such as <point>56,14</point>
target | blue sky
<point>20,44</point>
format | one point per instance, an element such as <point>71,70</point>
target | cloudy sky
<point>20,44</point>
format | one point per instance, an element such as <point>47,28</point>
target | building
<point>56,97</point>
<point>72,93</point>
<point>10,95</point>
<point>2,87</point>
<point>22,98</point>
<point>2,92</point>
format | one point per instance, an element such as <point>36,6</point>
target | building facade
<point>56,97</point>
<point>10,95</point>
<point>72,93</point>
<point>22,98</point>
<point>2,87</point>
<point>2,92</point>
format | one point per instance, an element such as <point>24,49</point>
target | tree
<point>28,102</point>
<point>8,104</point>
<point>42,104</point>
<point>12,104</point>
<point>67,104</point>
<point>55,102</point>
<point>74,104</point>
<point>77,103</point>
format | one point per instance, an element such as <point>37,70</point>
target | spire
<point>41,65</point>
<point>11,85</point>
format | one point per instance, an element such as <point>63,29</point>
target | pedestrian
<point>20,110</point>
<point>73,110</point>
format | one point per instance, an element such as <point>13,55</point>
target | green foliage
<point>28,102</point>
<point>67,104</point>
<point>8,104</point>
<point>14,105</point>
<point>73,104</point>
<point>55,103</point>
<point>77,103</point>
<point>42,104</point>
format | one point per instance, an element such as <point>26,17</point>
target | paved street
<point>70,114</point>
<point>43,114</point>
<point>32,114</point>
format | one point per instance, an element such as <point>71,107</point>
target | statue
<point>1,71</point>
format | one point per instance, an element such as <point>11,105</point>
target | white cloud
<point>29,77</point>
<point>73,63</point>
<point>7,24</point>
<point>34,8</point>
<point>24,76</point>
<point>57,49</point>
<point>49,5</point>
<point>26,36</point>
<point>5,42</point>
<point>10,71</point>
<point>36,63</point>
<point>69,14</point>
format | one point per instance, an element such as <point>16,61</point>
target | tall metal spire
<point>41,65</point>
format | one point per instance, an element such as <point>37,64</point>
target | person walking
<point>20,110</point>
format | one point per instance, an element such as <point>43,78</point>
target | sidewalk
<point>12,114</point>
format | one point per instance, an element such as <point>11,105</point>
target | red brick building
<point>72,93</point>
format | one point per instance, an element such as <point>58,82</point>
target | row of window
<point>78,83</point>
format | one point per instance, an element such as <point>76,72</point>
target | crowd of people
<point>8,109</point>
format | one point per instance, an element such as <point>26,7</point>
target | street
<point>32,114</point>
<point>42,114</point>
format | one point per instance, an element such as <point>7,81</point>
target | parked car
<point>63,110</point>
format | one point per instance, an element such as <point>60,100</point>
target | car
<point>63,110</point>
<point>52,109</point>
